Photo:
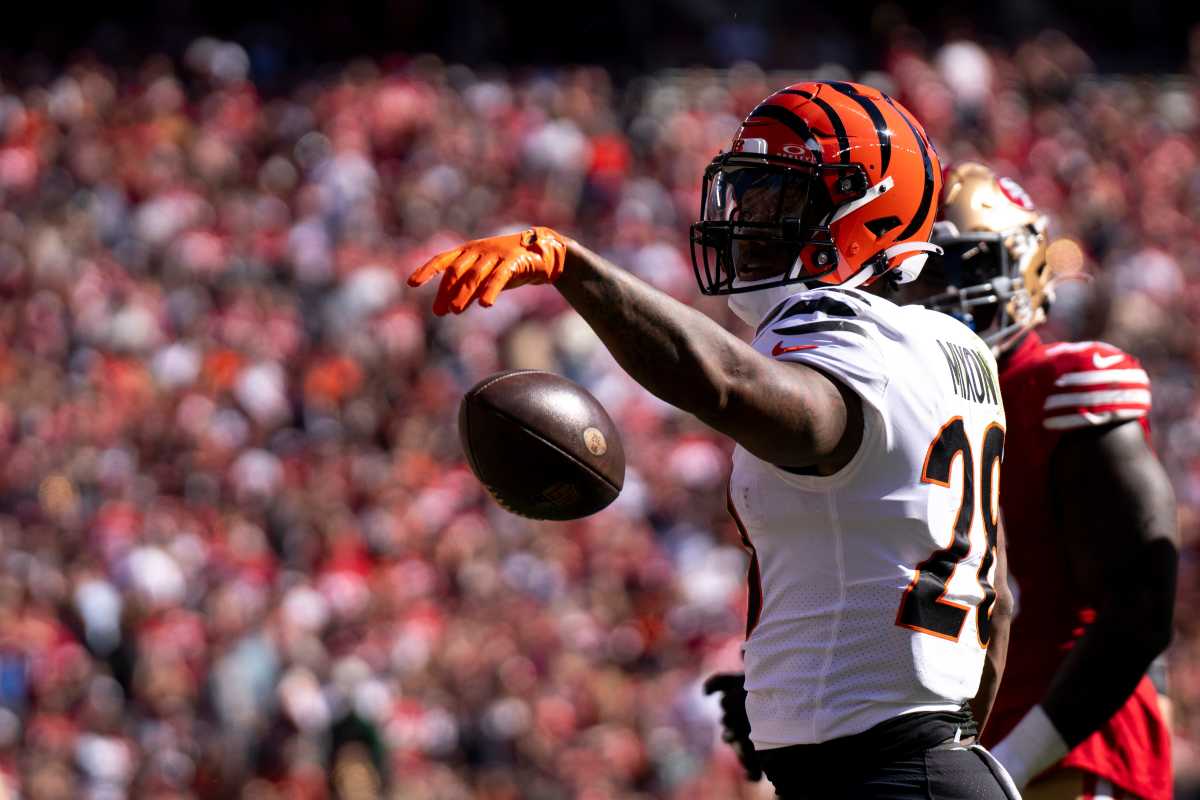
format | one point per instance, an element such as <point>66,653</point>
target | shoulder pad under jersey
<point>832,330</point>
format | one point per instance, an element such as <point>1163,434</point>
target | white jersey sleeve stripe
<point>1102,376</point>
<point>1078,347</point>
<point>1074,399</point>
<point>1087,419</point>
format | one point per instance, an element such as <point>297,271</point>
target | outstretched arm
<point>784,413</point>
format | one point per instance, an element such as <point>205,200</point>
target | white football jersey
<point>874,592</point>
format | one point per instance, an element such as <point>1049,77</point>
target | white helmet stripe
<point>871,195</point>
<point>858,278</point>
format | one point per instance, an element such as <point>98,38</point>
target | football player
<point>1088,506</point>
<point>866,474</point>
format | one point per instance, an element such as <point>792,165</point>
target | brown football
<point>542,445</point>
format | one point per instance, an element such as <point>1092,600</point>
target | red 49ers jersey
<point>1049,391</point>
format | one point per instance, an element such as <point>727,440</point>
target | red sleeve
<point>1094,384</point>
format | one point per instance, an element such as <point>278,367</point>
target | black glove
<point>734,722</point>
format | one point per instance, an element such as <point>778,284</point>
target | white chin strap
<point>858,278</point>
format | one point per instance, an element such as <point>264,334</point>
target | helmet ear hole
<point>848,186</point>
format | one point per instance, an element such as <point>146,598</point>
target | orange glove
<point>481,269</point>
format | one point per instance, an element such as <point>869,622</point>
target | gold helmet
<point>994,269</point>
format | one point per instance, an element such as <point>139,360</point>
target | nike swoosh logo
<point>1104,362</point>
<point>779,348</point>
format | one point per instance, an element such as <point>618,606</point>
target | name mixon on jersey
<point>971,373</point>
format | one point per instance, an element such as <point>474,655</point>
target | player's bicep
<point>792,414</point>
<point>1114,499</point>
<point>802,402</point>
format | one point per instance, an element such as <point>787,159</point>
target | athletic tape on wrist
<point>1031,747</point>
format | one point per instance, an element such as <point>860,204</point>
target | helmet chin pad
<point>910,268</point>
<point>914,254</point>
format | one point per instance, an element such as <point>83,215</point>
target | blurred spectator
<point>242,556</point>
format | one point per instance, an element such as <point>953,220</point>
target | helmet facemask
<point>764,221</point>
<point>982,277</point>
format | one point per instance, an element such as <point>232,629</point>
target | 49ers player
<point>1089,511</point>
<point>869,440</point>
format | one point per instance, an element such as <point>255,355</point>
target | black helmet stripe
<point>839,130</point>
<point>785,116</point>
<point>881,126</point>
<point>926,206</point>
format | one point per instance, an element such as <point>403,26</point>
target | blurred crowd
<point>242,556</point>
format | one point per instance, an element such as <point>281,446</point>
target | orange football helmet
<point>826,183</point>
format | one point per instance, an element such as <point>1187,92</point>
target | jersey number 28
<point>924,607</point>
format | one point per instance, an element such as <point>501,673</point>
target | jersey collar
<point>753,307</point>
<point>1024,349</point>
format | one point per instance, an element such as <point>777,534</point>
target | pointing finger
<point>433,266</point>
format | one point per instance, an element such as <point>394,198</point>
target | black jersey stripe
<point>825,325</point>
<point>857,294</point>
<point>769,318</point>
<point>839,129</point>
<point>925,208</point>
<point>787,117</point>
<point>881,126</point>
<point>829,305</point>
<point>825,305</point>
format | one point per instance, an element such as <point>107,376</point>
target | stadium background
<point>241,555</point>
